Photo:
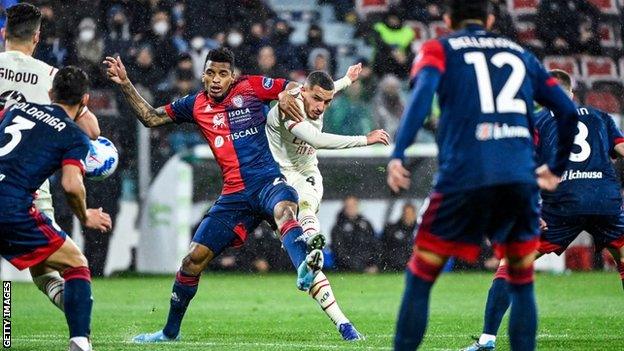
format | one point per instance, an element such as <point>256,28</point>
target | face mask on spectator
<point>235,39</point>
<point>86,35</point>
<point>161,27</point>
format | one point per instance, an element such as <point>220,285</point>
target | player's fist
<point>398,176</point>
<point>353,72</point>
<point>99,220</point>
<point>546,180</point>
<point>115,70</point>
<point>378,136</point>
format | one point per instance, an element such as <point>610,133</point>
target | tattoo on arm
<point>148,115</point>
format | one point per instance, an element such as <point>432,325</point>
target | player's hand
<point>546,179</point>
<point>116,71</point>
<point>398,176</point>
<point>543,225</point>
<point>353,72</point>
<point>99,220</point>
<point>289,107</point>
<point>378,136</point>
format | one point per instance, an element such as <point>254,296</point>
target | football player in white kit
<point>24,78</point>
<point>293,145</point>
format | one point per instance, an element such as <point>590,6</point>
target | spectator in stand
<point>285,51</point>
<point>118,41</point>
<point>559,25</point>
<point>349,113</point>
<point>267,64</point>
<point>319,60</point>
<point>389,104</point>
<point>263,252</point>
<point>353,240</point>
<point>50,49</point>
<point>147,75</point>
<point>89,50</point>
<point>422,10</point>
<point>198,53</point>
<point>504,24</point>
<point>234,41</point>
<point>314,45</point>
<point>160,38</point>
<point>392,40</point>
<point>396,241</point>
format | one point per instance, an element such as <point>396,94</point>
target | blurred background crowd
<point>164,43</point>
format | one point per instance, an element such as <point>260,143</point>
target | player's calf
<point>618,257</point>
<point>523,316</point>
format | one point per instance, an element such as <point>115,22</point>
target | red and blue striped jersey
<point>35,141</point>
<point>589,184</point>
<point>487,85</point>
<point>235,128</point>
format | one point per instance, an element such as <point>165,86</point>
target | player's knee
<point>76,260</point>
<point>285,211</point>
<point>197,259</point>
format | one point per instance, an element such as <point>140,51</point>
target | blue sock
<point>523,317</point>
<point>413,315</point>
<point>497,304</point>
<point>184,289</point>
<point>296,249</point>
<point>78,301</point>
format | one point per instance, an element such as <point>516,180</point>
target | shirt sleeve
<point>76,153</point>
<point>342,83</point>
<point>181,110</point>
<point>267,89</point>
<point>615,135</point>
<point>319,140</point>
<point>431,54</point>
<point>550,95</point>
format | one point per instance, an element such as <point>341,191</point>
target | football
<point>102,159</point>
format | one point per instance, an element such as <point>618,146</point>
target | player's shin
<point>53,286</point>
<point>294,241</point>
<point>321,291</point>
<point>78,304</point>
<point>497,304</point>
<point>523,317</point>
<point>184,289</point>
<point>414,312</point>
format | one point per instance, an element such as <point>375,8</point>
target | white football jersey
<point>294,144</point>
<point>24,78</point>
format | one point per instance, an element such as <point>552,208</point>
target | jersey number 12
<point>15,130</point>
<point>506,101</point>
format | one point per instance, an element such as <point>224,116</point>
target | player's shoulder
<point>31,62</point>
<point>251,80</point>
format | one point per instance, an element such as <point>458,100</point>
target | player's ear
<point>50,94</point>
<point>447,21</point>
<point>36,37</point>
<point>85,100</point>
<point>489,23</point>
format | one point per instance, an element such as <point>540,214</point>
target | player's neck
<point>25,48</point>
<point>471,22</point>
<point>71,111</point>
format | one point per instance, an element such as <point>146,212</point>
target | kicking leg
<point>50,282</point>
<point>423,269</point>
<point>77,298</point>
<point>618,256</point>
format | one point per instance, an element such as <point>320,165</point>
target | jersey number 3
<point>15,130</point>
<point>506,101</point>
<point>580,140</point>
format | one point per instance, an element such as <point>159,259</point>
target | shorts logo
<point>218,121</point>
<point>218,142</point>
<point>237,101</point>
<point>267,83</point>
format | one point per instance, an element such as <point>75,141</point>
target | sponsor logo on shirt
<point>576,175</point>
<point>219,141</point>
<point>496,131</point>
<point>267,83</point>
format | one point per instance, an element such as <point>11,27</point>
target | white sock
<point>484,338</point>
<point>309,222</point>
<point>322,292</point>
<point>52,285</point>
<point>82,342</point>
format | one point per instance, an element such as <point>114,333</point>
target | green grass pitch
<point>266,312</point>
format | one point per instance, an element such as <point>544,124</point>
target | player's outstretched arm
<point>319,140</point>
<point>353,72</point>
<point>148,115</point>
<point>72,182</point>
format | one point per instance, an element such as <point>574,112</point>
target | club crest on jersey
<point>218,121</point>
<point>237,101</point>
<point>267,83</point>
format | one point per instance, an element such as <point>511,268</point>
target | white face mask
<point>161,27</point>
<point>235,39</point>
<point>197,43</point>
<point>86,35</point>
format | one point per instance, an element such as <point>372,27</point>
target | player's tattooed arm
<point>148,115</point>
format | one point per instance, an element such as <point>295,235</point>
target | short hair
<point>463,10</point>
<point>320,78</point>
<point>562,77</point>
<point>220,55</point>
<point>69,85</point>
<point>23,21</point>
